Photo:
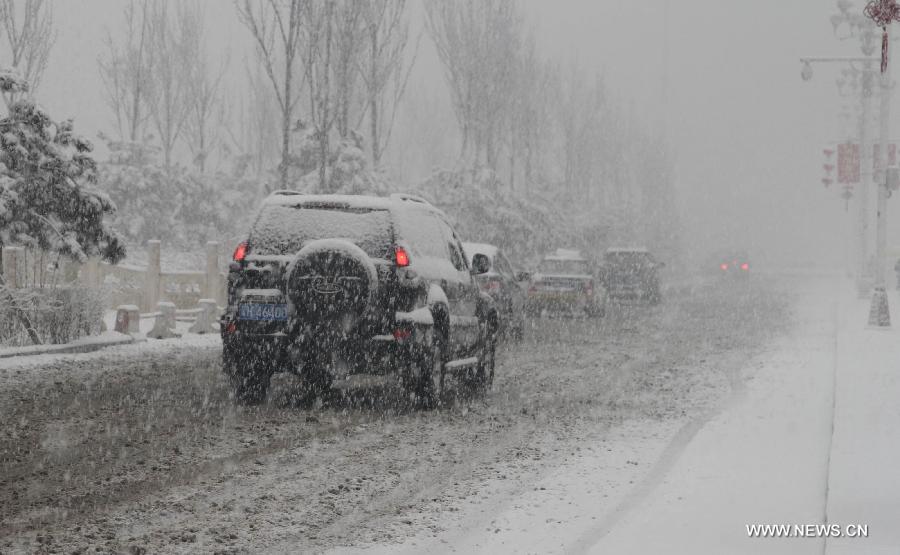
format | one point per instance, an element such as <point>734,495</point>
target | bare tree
<point>125,72</point>
<point>29,31</point>
<point>318,46</point>
<point>169,48</point>
<point>275,26</point>
<point>204,99</point>
<point>252,125</point>
<point>384,69</point>
<point>476,40</point>
<point>348,20</point>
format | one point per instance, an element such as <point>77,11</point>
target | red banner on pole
<point>848,163</point>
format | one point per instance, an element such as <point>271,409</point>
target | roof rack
<point>409,198</point>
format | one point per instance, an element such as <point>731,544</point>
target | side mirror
<point>480,264</point>
<point>523,276</point>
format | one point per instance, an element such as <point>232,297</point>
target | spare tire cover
<point>330,278</point>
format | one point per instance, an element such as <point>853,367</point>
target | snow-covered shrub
<point>174,205</point>
<point>483,210</point>
<point>347,172</point>
<point>57,315</point>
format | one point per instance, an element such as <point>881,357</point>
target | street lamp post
<point>883,13</point>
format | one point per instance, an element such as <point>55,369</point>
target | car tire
<point>249,380</point>
<point>484,377</point>
<point>425,376</point>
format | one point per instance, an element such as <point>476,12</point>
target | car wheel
<point>424,378</point>
<point>249,380</point>
<point>486,364</point>
<point>518,332</point>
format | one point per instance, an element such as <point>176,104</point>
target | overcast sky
<point>747,131</point>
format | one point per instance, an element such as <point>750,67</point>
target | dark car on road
<point>565,283</point>
<point>504,284</point>
<point>631,274</point>
<point>331,286</point>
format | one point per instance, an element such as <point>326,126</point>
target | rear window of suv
<point>282,229</point>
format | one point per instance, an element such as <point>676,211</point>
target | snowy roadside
<point>18,370</point>
<point>82,345</point>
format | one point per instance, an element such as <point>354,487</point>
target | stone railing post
<point>164,325</point>
<point>13,266</point>
<point>152,277</point>
<point>211,290</point>
<point>206,317</point>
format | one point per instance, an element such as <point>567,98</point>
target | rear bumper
<point>540,300</point>
<point>283,352</point>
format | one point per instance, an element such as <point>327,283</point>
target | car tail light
<point>240,252</point>
<point>724,266</point>
<point>490,285</point>
<point>745,266</point>
<point>402,333</point>
<point>231,327</point>
<point>401,257</point>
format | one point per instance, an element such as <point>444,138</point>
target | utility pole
<point>865,182</point>
<point>879,310</point>
<point>883,13</point>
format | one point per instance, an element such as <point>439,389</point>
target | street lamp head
<point>807,72</point>
<point>836,21</point>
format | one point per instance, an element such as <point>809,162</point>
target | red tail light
<point>724,266</point>
<point>488,286</point>
<point>745,266</point>
<point>401,257</point>
<point>400,334</point>
<point>240,252</point>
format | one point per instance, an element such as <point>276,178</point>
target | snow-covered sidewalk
<point>864,481</point>
<point>772,458</point>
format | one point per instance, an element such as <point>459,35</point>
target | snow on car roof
<point>394,202</point>
<point>565,254</point>
<point>613,250</point>
<point>480,248</point>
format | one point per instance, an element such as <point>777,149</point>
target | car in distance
<point>565,282</point>
<point>327,286</point>
<point>504,284</point>
<point>631,273</point>
<point>731,263</point>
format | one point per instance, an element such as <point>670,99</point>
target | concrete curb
<point>86,345</point>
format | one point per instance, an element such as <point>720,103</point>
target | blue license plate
<point>267,312</point>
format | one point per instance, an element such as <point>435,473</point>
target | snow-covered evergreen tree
<point>47,198</point>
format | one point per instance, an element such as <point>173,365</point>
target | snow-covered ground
<point>141,448</point>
